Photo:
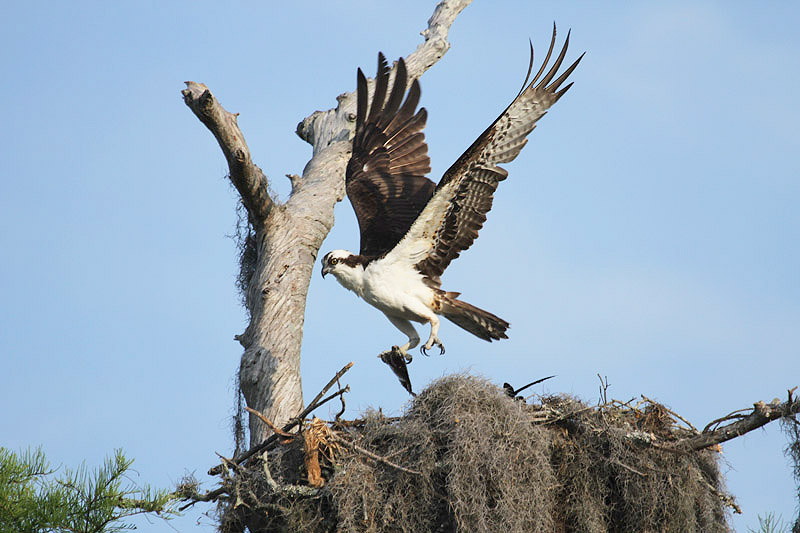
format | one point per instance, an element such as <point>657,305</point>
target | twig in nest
<point>228,462</point>
<point>341,398</point>
<point>670,411</point>
<point>212,495</point>
<point>339,393</point>
<point>629,468</point>
<point>355,447</point>
<point>726,499</point>
<point>292,423</point>
<point>670,449</point>
<point>325,389</point>
<point>626,405</point>
<point>603,389</point>
<point>574,413</point>
<point>270,425</point>
<point>234,463</point>
<point>209,496</point>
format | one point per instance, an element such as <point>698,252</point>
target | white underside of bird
<point>394,288</point>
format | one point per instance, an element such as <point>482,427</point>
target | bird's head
<point>346,266</point>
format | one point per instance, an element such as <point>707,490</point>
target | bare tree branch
<point>763,413</point>
<point>249,180</point>
<point>269,423</point>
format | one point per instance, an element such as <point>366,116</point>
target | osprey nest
<point>467,458</point>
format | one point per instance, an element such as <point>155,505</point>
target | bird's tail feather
<point>480,323</point>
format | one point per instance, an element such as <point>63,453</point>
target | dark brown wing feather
<point>468,186</point>
<point>385,177</point>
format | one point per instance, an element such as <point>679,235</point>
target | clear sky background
<point>648,232</point>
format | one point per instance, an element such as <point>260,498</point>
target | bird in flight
<point>411,229</point>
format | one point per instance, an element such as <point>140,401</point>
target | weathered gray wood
<point>762,414</point>
<point>248,179</point>
<point>288,236</point>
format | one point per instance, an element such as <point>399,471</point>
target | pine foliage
<point>34,499</point>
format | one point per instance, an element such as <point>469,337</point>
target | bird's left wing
<point>450,222</point>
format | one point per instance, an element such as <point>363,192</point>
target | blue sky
<point>648,232</point>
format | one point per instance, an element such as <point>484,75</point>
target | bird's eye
<point>334,260</point>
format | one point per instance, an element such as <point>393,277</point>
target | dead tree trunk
<point>287,236</point>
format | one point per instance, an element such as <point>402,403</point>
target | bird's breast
<point>397,289</point>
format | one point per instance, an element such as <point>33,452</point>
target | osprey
<point>411,229</point>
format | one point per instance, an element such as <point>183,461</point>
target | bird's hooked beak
<point>325,270</point>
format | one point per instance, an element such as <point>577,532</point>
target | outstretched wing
<point>385,177</point>
<point>450,222</point>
